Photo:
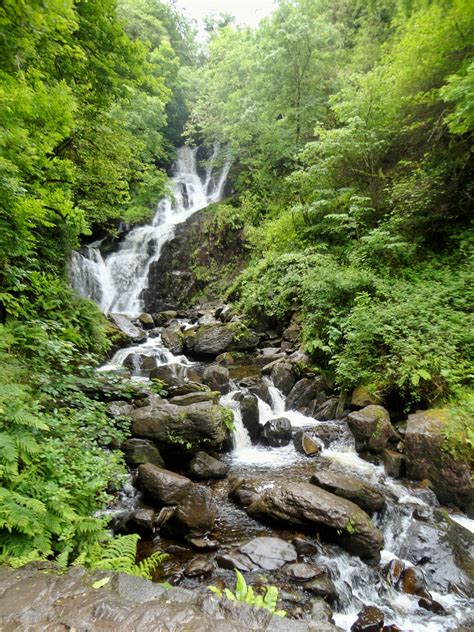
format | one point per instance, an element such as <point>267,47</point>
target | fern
<point>246,594</point>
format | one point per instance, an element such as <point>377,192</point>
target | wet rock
<point>128,329</point>
<point>163,318</point>
<point>162,485</point>
<point>347,486</point>
<point>412,581</point>
<point>198,567</point>
<point>393,571</point>
<point>197,512</point>
<point>369,619</point>
<point>212,340</point>
<point>119,409</point>
<point>283,377</point>
<point>181,429</point>
<point>174,374</point>
<point>305,444</point>
<point>141,451</point>
<point>301,572</point>
<point>328,432</point>
<point>225,359</point>
<point>217,378</point>
<point>327,411</point>
<point>371,428</point>
<point>431,605</point>
<point>250,415</point>
<point>305,505</point>
<point>172,338</point>
<point>426,459</point>
<point>323,587</point>
<point>257,387</point>
<point>269,553</point>
<point>142,520</point>
<point>277,432</point>
<point>146,321</point>
<point>303,392</point>
<point>140,362</point>
<point>362,397</point>
<point>203,544</point>
<point>321,611</point>
<point>394,463</point>
<point>305,547</point>
<point>203,466</point>
<point>195,398</point>
<point>235,560</point>
<point>186,388</point>
<point>243,492</point>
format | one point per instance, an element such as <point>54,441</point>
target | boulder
<point>258,387</point>
<point>142,520</point>
<point>174,374</point>
<point>318,511</point>
<point>203,466</point>
<point>214,339</point>
<point>283,377</point>
<point>352,488</point>
<point>195,398</point>
<point>305,444</point>
<point>330,431</point>
<point>128,329</point>
<point>301,572</point>
<point>277,432</point>
<point>369,619</point>
<point>292,333</point>
<point>172,338</point>
<point>250,415</point>
<point>269,553</point>
<point>146,321</point>
<point>140,362</point>
<point>243,492</point>
<point>303,392</point>
<point>196,513</point>
<point>181,428</point>
<point>163,486</point>
<point>141,451</point>
<point>321,611</point>
<point>119,409</point>
<point>198,567</point>
<point>324,587</point>
<point>426,458</point>
<point>371,428</point>
<point>217,378</point>
<point>394,463</point>
<point>326,411</point>
<point>362,396</point>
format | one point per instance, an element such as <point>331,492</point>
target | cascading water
<point>117,281</point>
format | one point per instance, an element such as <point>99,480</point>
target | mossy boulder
<point>214,339</point>
<point>371,428</point>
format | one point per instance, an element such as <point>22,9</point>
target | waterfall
<point>117,281</point>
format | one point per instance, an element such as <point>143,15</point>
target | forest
<point>350,124</point>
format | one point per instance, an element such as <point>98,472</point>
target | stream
<point>416,530</point>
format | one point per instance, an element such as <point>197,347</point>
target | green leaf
<point>100,583</point>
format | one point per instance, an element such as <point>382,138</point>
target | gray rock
<point>283,377</point>
<point>146,321</point>
<point>301,572</point>
<point>305,444</point>
<point>217,378</point>
<point>235,560</point>
<point>203,466</point>
<point>163,318</point>
<point>330,431</point>
<point>174,374</point>
<point>426,458</point>
<point>172,338</point>
<point>212,340</point>
<point>119,409</point>
<point>305,547</point>
<point>250,415</point>
<point>269,553</point>
<point>308,506</point>
<point>141,451</point>
<point>371,428</point>
<point>197,512</point>
<point>326,411</point>
<point>178,429</point>
<point>369,498</point>
<point>142,519</point>
<point>125,325</point>
<point>303,392</point>
<point>243,492</point>
<point>198,567</point>
<point>277,432</point>
<point>323,587</point>
<point>195,398</point>
<point>321,611</point>
<point>162,485</point>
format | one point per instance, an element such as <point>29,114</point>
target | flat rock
<point>308,506</point>
<point>301,572</point>
<point>269,553</point>
<point>351,487</point>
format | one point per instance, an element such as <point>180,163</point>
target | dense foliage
<point>86,91</point>
<point>352,125</point>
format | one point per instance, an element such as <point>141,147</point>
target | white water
<point>117,281</point>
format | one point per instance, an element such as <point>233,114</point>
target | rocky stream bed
<point>321,496</point>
